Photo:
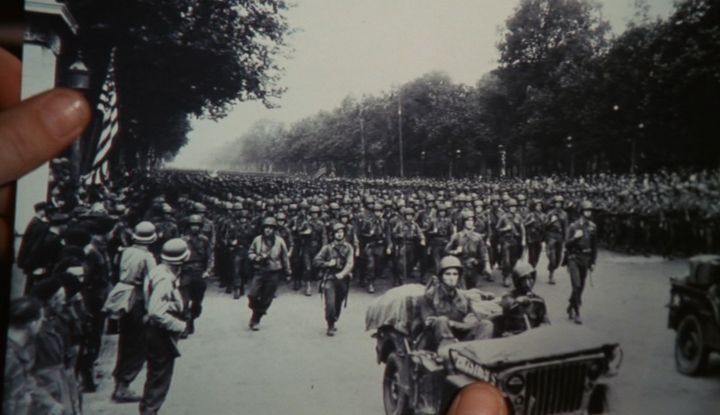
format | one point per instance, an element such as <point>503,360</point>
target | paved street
<point>291,367</point>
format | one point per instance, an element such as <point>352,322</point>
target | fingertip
<point>479,399</point>
<point>64,114</point>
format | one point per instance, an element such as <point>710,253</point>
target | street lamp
<point>501,150</point>
<point>78,75</point>
<point>569,145</point>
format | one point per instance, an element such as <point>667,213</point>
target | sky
<point>355,47</point>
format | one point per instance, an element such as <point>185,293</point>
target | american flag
<point>99,171</point>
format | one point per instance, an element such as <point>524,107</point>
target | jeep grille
<point>556,389</point>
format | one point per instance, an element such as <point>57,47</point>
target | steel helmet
<point>558,199</point>
<point>338,226</point>
<point>270,221</point>
<point>281,216</point>
<point>237,206</point>
<point>586,205</point>
<point>344,213</point>
<point>450,261</point>
<point>511,202</point>
<point>314,209</point>
<point>144,233</point>
<point>175,251</point>
<point>467,214</point>
<point>195,220</point>
<point>200,208</point>
<point>334,206</point>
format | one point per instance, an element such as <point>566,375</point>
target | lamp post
<point>423,155</point>
<point>501,151</point>
<point>569,145</point>
<point>363,161</point>
<point>78,78</point>
<point>633,149</point>
<point>400,136</point>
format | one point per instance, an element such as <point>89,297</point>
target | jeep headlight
<point>515,384</point>
<point>614,360</point>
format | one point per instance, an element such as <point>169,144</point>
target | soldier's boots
<point>228,289</point>
<point>308,288</point>
<point>123,394</point>
<point>189,329</point>
<point>331,330</point>
<point>254,323</point>
<point>237,293</point>
<point>371,288</point>
<point>506,281</point>
<point>551,281</point>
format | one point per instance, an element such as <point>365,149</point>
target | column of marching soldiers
<point>138,255</point>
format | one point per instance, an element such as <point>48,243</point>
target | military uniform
<point>193,274</point>
<point>441,229</point>
<point>581,245</point>
<point>555,230</point>
<point>270,261</point>
<point>522,311</point>
<point>165,313</point>
<point>375,237</point>
<point>511,233</point>
<point>472,251</point>
<point>335,260</point>
<point>405,234</point>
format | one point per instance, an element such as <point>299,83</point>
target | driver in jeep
<point>446,311</point>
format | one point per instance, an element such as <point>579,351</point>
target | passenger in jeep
<point>522,308</point>
<point>446,312</point>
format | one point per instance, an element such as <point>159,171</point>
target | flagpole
<point>400,135</point>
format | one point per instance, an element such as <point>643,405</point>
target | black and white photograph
<point>364,207</point>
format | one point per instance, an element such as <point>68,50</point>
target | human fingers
<point>478,399</point>
<point>9,79</point>
<point>38,128</point>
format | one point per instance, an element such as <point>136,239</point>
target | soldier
<point>243,268</point>
<point>374,236</point>
<point>494,214</point>
<point>523,309</point>
<point>284,232</point>
<point>581,245</point>
<point>446,311</point>
<point>136,262</point>
<point>194,272</point>
<point>405,234</point>
<point>511,237</point>
<point>269,256</point>
<point>164,323</point>
<point>21,393</point>
<point>226,249</point>
<point>350,232</point>
<point>470,247</point>
<point>297,218</point>
<point>166,228</point>
<point>534,222</point>
<point>441,229</point>
<point>335,260</point>
<point>555,229</point>
<point>312,237</point>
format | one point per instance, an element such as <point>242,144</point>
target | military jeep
<point>547,370</point>
<point>695,314</point>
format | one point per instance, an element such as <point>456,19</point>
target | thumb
<point>39,128</point>
<point>478,399</point>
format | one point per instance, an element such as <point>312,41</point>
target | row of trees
<point>565,97</point>
<point>179,58</point>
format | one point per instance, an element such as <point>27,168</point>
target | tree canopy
<point>565,97</point>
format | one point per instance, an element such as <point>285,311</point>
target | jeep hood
<point>542,342</point>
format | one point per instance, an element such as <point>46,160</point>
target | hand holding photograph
<point>345,207</point>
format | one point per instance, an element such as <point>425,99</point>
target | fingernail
<point>64,114</point>
<point>479,400</point>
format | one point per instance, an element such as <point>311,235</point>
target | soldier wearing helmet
<point>534,221</point>
<point>226,246</point>
<point>313,235</point>
<point>166,228</point>
<point>269,256</point>
<point>522,308</point>
<point>405,234</point>
<point>470,247</point>
<point>374,237</point>
<point>335,262</point>
<point>165,322</point>
<point>581,254</point>
<point>136,262</point>
<point>351,234</point>
<point>195,270</point>
<point>283,231</point>
<point>494,215</point>
<point>440,230</point>
<point>446,311</point>
<point>556,224</point>
<point>511,238</point>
